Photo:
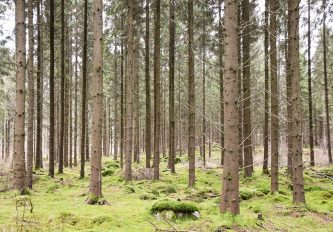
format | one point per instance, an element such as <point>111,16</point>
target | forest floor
<point>59,204</point>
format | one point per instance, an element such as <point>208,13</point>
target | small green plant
<point>107,172</point>
<point>246,194</point>
<point>148,196</point>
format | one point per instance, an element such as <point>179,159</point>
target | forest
<point>166,115</point>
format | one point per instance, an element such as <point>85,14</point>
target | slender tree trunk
<point>230,187</point>
<point>326,87</point>
<point>129,91</point>
<point>247,126</point>
<point>203,141</point>
<point>122,100</point>
<point>76,91</point>
<point>191,98</point>
<point>240,105</point>
<point>136,101</point>
<point>172,121</point>
<point>157,89</point>
<point>30,139</point>
<point>66,99</point>
<point>52,119</point>
<point>39,128</point>
<point>19,156</point>
<point>221,50</point>
<point>116,121</point>
<point>84,94</point>
<point>266,126</point>
<point>95,188</point>
<point>296,133</point>
<point>62,89</point>
<point>274,98</point>
<point>312,161</point>
<point>147,85</point>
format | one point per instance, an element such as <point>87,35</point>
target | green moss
<point>148,196</point>
<point>326,194</point>
<point>52,188</point>
<point>107,172</point>
<point>129,189</point>
<point>246,194</point>
<point>175,206</point>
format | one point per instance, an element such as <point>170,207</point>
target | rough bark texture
<point>273,6</point>
<point>157,88</point>
<point>203,136</point>
<point>84,84</point>
<point>95,188</point>
<point>19,156</point>
<point>191,98</point>
<point>129,91</point>
<point>327,110</point>
<point>52,111</point>
<point>312,161</point>
<point>230,187</point>
<point>30,139</point>
<point>172,120</point>
<point>122,100</point>
<point>116,96</point>
<point>247,126</point>
<point>296,133</point>
<point>266,126</point>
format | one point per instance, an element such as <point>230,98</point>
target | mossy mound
<point>148,196</point>
<point>174,206</point>
<point>246,194</point>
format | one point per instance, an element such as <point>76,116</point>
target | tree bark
<point>157,89</point>
<point>247,125</point>
<point>129,91</point>
<point>191,98</point>
<point>328,130</point>
<point>30,139</point>
<point>52,100</point>
<point>273,5</point>
<point>266,125</point>
<point>172,121</point>
<point>221,50</point>
<point>296,133</point>
<point>147,85</point>
<point>39,127</point>
<point>84,96</point>
<point>230,187</point>
<point>312,161</point>
<point>19,156</point>
<point>95,188</point>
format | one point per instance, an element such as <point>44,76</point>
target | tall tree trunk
<point>147,85</point>
<point>129,91</point>
<point>172,121</point>
<point>312,161</point>
<point>274,98</point>
<point>84,94</point>
<point>266,126</point>
<point>19,156</point>
<point>136,102</point>
<point>230,188</point>
<point>39,128</point>
<point>30,139</point>
<point>157,89</point>
<point>191,98</point>
<point>289,110</point>
<point>62,89</point>
<point>326,86</point>
<point>95,188</point>
<point>116,121</point>
<point>203,138</point>
<point>122,99</point>
<point>221,50</point>
<point>52,119</point>
<point>66,99</point>
<point>240,105</point>
<point>296,133</point>
<point>248,158</point>
<point>76,90</point>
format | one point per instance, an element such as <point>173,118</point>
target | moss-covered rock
<point>174,206</point>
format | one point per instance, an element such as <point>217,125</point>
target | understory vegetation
<point>59,204</point>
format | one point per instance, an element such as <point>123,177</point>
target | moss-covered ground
<point>59,203</point>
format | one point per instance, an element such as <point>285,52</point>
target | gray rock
<point>196,214</point>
